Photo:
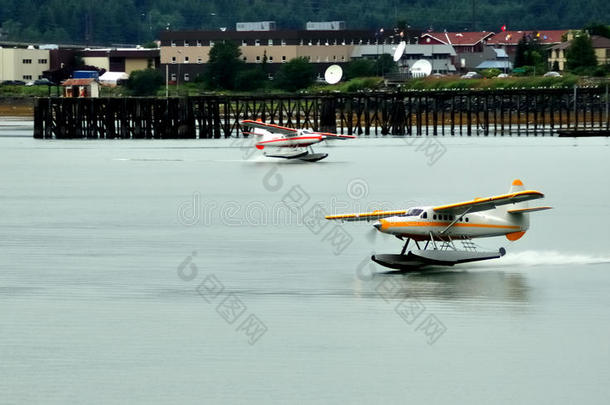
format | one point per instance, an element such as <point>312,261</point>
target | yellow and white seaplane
<point>440,226</point>
<point>289,143</point>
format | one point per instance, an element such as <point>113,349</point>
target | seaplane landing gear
<point>443,253</point>
<point>306,155</point>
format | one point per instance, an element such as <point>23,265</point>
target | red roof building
<point>508,40</point>
<point>512,38</point>
<point>461,41</point>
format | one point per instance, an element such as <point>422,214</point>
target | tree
<point>145,82</point>
<point>598,29</point>
<point>580,53</point>
<point>297,74</point>
<point>530,53</point>
<point>250,79</point>
<point>520,52</point>
<point>385,64</point>
<point>360,68</point>
<point>223,65</point>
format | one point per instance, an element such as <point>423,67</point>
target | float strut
<point>404,248</point>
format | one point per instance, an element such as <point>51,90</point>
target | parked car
<point>502,76</point>
<point>13,82</point>
<point>40,82</point>
<point>472,75</point>
<point>552,74</point>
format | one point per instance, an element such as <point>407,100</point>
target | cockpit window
<point>413,212</point>
<point>424,215</point>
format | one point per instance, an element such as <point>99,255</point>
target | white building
<point>23,64</point>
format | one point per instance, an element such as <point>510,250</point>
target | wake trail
<point>531,258</point>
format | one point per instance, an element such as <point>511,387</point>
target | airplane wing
<point>276,129</point>
<point>487,203</point>
<point>366,216</point>
<point>328,136</point>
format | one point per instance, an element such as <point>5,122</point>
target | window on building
<point>257,42</point>
<point>244,42</point>
<point>270,58</point>
<point>198,42</point>
<point>283,42</point>
<point>27,61</point>
<point>173,43</point>
<point>187,77</point>
<point>27,77</point>
<point>270,42</point>
<point>245,59</point>
<point>211,43</point>
<point>283,58</point>
<point>42,61</point>
<point>39,77</point>
<point>258,58</point>
<point>186,43</point>
<point>199,60</point>
<point>173,59</point>
<point>186,59</point>
<point>173,77</point>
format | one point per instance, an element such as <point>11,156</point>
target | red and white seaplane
<point>439,226</point>
<point>289,143</point>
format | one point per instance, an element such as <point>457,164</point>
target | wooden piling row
<point>520,112</point>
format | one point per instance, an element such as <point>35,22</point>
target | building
<point>601,46</point>
<point>185,53</point>
<point>441,56</point>
<point>79,88</point>
<point>498,59</point>
<point>508,40</point>
<point>121,59</point>
<point>469,46</point>
<point>23,63</point>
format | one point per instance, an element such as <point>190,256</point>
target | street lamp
<point>178,78</point>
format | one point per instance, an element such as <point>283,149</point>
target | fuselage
<point>301,139</point>
<point>422,222</point>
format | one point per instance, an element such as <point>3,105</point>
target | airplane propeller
<point>371,234</point>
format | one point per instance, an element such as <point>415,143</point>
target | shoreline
<point>17,107</point>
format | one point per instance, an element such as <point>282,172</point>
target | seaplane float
<point>436,229</point>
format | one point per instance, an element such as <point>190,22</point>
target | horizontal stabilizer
<point>366,216</point>
<point>525,210</point>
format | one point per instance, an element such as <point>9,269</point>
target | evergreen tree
<point>223,65</point>
<point>580,54</point>
<point>520,52</point>
<point>297,74</point>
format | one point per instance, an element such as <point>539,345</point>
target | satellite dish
<point>333,74</point>
<point>400,49</point>
<point>421,68</point>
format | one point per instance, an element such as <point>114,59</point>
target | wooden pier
<point>511,112</point>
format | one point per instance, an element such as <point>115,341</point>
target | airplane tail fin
<point>516,186</point>
<point>519,216</point>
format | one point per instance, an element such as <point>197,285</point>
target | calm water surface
<point>173,271</point>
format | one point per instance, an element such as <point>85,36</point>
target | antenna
<point>400,49</point>
<point>333,74</point>
<point>421,68</point>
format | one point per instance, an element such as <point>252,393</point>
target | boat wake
<point>531,258</point>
